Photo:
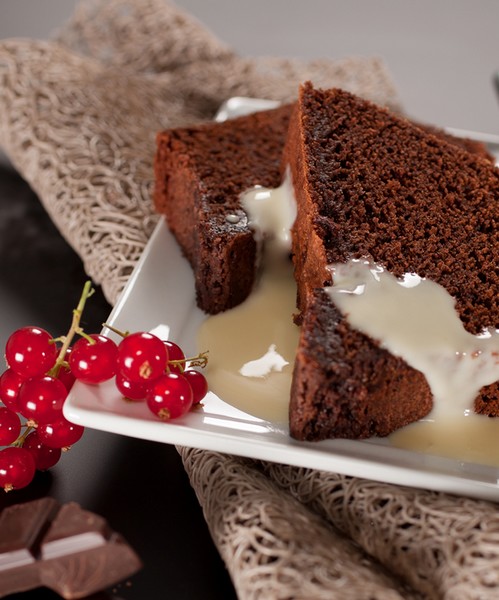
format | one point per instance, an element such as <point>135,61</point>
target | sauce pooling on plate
<point>252,346</point>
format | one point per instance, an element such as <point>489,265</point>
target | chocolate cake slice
<point>371,184</point>
<point>368,183</point>
<point>200,173</point>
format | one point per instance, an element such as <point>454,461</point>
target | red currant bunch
<point>41,370</point>
<point>156,371</point>
<point>31,391</point>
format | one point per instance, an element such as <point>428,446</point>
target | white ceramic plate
<point>160,292</point>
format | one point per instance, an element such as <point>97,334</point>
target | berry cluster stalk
<point>75,329</point>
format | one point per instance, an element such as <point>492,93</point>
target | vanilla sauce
<point>252,346</point>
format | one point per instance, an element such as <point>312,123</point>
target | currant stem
<point>201,360</point>
<point>75,329</point>
<point>81,333</point>
<point>122,334</point>
<point>21,439</point>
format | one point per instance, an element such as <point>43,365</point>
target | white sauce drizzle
<point>416,319</point>
<point>263,366</point>
<point>413,318</point>
<point>272,213</point>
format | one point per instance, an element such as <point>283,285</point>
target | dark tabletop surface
<point>140,487</point>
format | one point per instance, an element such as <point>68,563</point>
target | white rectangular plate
<point>161,292</point>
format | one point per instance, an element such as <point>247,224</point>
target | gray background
<point>441,53</point>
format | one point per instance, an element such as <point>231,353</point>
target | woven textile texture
<point>78,119</point>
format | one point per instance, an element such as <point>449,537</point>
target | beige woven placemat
<point>78,117</point>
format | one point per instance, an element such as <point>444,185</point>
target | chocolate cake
<point>371,184</point>
<point>368,183</point>
<point>200,173</point>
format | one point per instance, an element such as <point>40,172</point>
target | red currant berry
<point>93,362</point>
<point>60,434</point>
<point>10,426</point>
<point>17,468</point>
<point>65,374</point>
<point>142,357</point>
<point>10,384</point>
<point>170,396</point>
<point>41,399</point>
<point>45,457</point>
<point>198,384</point>
<point>175,353</point>
<point>30,351</point>
<point>132,390</point>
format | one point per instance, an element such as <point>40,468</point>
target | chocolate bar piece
<point>65,548</point>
